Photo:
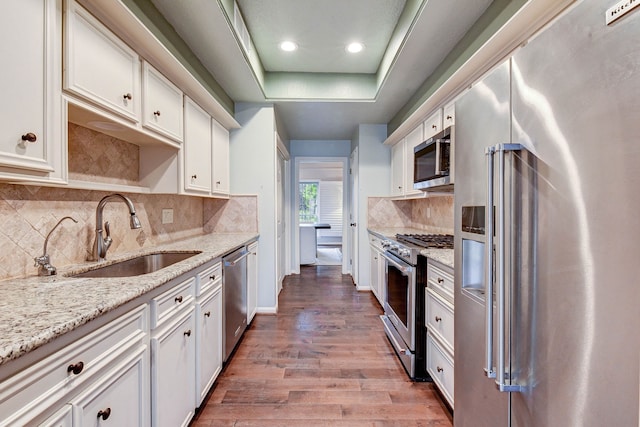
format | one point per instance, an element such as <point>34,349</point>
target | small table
<point>309,241</point>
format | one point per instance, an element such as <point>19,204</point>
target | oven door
<point>399,305</point>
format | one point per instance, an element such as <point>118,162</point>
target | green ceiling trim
<point>494,18</point>
<point>147,13</point>
<point>320,86</point>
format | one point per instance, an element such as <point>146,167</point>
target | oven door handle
<point>405,269</point>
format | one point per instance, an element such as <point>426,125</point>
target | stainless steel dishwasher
<point>234,295</point>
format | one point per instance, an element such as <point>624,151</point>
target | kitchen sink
<point>138,266</point>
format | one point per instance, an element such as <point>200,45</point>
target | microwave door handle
<point>489,368</point>
<point>438,165</point>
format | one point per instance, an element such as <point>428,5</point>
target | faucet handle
<point>107,230</point>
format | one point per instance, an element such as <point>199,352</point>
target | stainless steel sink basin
<point>143,264</point>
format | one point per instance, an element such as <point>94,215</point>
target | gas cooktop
<point>440,241</point>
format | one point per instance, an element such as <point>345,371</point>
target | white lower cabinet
<point>173,347</point>
<point>252,281</point>
<point>440,367</point>
<point>209,341</point>
<point>62,418</point>
<point>120,398</point>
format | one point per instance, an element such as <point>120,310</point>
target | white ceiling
<point>320,92</point>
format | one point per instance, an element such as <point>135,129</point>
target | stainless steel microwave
<point>432,161</point>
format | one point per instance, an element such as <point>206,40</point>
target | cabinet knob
<point>76,368</point>
<point>127,96</point>
<point>438,318</point>
<point>434,127</point>
<point>156,113</point>
<point>449,117</point>
<point>104,414</point>
<point>207,314</point>
<point>440,280</point>
<point>178,299</point>
<point>439,369</point>
<point>187,333</point>
<point>29,137</point>
<point>212,277</point>
<point>218,182</point>
<point>194,176</point>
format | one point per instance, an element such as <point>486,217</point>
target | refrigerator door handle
<point>503,378</point>
<point>489,368</point>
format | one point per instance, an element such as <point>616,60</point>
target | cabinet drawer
<point>171,302</point>
<point>120,398</point>
<point>439,319</point>
<point>440,367</point>
<point>440,279</point>
<point>209,278</point>
<point>28,393</point>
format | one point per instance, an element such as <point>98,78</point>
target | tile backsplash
<point>28,213</point>
<point>433,213</point>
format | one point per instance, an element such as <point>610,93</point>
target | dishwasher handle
<point>242,254</point>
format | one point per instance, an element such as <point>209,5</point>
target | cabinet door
<point>62,418</point>
<point>449,115</point>
<point>197,148</point>
<point>209,342</point>
<point>100,67</point>
<point>433,124</point>
<point>220,159</point>
<point>373,272</point>
<point>414,139</point>
<point>397,169</point>
<point>173,389</point>
<point>120,398</point>
<point>252,281</point>
<point>161,104</point>
<point>30,123</point>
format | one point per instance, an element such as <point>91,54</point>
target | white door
<point>353,215</point>
<point>280,225</point>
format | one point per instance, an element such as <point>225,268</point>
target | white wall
<point>374,173</point>
<point>253,171</point>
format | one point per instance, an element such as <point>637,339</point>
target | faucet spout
<point>43,262</point>
<point>102,244</point>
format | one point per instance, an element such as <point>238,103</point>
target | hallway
<point>323,361</point>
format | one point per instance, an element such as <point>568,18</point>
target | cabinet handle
<point>76,368</point>
<point>178,299</point>
<point>218,182</point>
<point>187,333</point>
<point>207,314</point>
<point>127,96</point>
<point>440,280</point>
<point>449,117</point>
<point>194,176</point>
<point>29,137</point>
<point>212,277</point>
<point>434,127</point>
<point>438,318</point>
<point>439,369</point>
<point>156,113</point>
<point>104,414</point>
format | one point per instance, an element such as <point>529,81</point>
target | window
<point>308,202</point>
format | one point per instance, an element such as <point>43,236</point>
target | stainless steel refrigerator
<point>547,280</point>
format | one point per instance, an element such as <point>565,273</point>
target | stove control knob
<point>394,248</point>
<point>405,253</point>
<point>386,244</point>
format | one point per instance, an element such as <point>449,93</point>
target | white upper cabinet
<point>220,185</point>
<point>99,67</point>
<point>196,149</point>
<point>397,168</point>
<point>30,121</point>
<point>161,104</point>
<point>433,124</point>
<point>414,139</point>
<point>449,115</point>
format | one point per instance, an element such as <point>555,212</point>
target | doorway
<point>320,211</point>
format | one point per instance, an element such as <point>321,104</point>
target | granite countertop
<point>444,256</point>
<point>36,310</point>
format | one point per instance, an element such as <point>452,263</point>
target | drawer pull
<point>438,318</point>
<point>29,137</point>
<point>187,333</point>
<point>212,277</point>
<point>104,414</point>
<point>440,280</point>
<point>194,176</point>
<point>76,368</point>
<point>127,96</point>
<point>178,299</point>
<point>207,314</point>
<point>439,369</point>
<point>449,117</point>
<point>156,113</point>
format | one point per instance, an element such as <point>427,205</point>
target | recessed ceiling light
<point>288,46</point>
<point>355,47</point>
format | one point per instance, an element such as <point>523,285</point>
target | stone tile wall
<point>433,213</point>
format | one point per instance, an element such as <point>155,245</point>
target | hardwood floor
<point>324,360</point>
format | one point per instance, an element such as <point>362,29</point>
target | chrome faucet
<point>102,244</point>
<point>43,262</point>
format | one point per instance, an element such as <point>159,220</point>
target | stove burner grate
<point>441,241</point>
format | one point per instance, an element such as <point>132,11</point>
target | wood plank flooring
<point>323,361</point>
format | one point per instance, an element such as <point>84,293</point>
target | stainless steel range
<point>404,310</point>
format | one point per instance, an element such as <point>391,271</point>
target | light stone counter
<point>36,310</point>
<point>444,256</point>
